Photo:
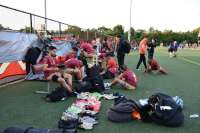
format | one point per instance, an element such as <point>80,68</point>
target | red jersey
<point>102,55</point>
<point>73,63</point>
<point>51,61</point>
<point>60,59</point>
<point>69,56</point>
<point>130,77</point>
<point>143,46</point>
<point>112,65</point>
<point>154,65</point>
<point>87,48</point>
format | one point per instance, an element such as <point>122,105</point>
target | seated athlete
<point>111,68</point>
<point>71,54</point>
<point>127,79</point>
<point>87,53</point>
<point>154,66</point>
<point>75,67</point>
<point>87,49</point>
<point>52,72</point>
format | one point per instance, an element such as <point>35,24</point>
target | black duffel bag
<point>165,111</point>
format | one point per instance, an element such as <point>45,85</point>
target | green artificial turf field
<point>20,106</point>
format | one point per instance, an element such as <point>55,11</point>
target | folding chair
<point>47,89</point>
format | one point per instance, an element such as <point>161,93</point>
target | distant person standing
<point>173,47</point>
<point>150,49</point>
<point>120,51</point>
<point>142,52</point>
<point>170,49</point>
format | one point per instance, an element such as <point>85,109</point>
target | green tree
<point>139,34</point>
<point>118,30</point>
<point>105,31</point>
<point>4,28</point>
<point>73,30</point>
<point>1,27</point>
<point>26,29</point>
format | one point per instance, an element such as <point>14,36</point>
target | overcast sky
<point>177,15</point>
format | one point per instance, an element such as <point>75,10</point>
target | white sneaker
<point>107,85</point>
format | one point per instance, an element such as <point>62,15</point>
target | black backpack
<point>127,47</point>
<point>57,95</point>
<point>38,130</point>
<point>165,111</point>
<point>84,86</point>
<point>94,77</point>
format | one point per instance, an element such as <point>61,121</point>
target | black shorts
<point>170,50</point>
<point>55,78</point>
<point>150,56</point>
<point>108,75</point>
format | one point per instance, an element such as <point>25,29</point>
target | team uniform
<point>87,48</point>
<point>130,77</point>
<point>112,66</point>
<point>51,62</point>
<point>70,56</point>
<point>89,56</point>
<point>154,64</point>
<point>142,52</point>
<point>73,63</point>
<point>112,69</point>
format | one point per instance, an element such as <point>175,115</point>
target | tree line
<point>164,37</point>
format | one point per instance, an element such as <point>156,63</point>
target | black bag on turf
<point>57,95</point>
<point>127,47</point>
<point>37,130</point>
<point>84,86</point>
<point>165,111</point>
<point>94,77</point>
<point>69,124</point>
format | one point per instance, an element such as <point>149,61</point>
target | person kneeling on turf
<point>127,79</point>
<point>154,66</point>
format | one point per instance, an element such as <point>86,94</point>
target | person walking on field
<point>142,52</point>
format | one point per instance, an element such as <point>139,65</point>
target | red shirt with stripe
<point>130,77</point>
<point>73,63</point>
<point>154,65</point>
<point>51,62</point>
<point>87,48</point>
<point>69,56</point>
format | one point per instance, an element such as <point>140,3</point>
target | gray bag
<point>122,112</point>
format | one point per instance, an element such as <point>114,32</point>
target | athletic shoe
<point>107,85</point>
<point>86,126</point>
